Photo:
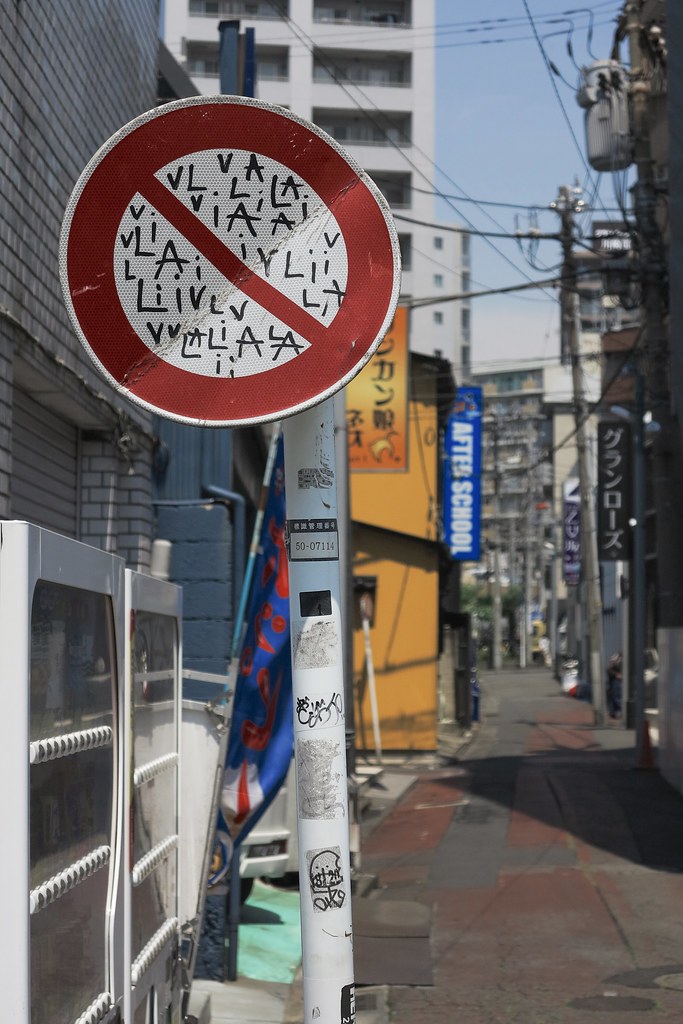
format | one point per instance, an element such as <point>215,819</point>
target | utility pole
<point>552,636</point>
<point>524,655</point>
<point>667,461</point>
<point>496,660</point>
<point>512,551</point>
<point>567,205</point>
<point>638,611</point>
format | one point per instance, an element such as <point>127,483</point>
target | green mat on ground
<point>269,940</point>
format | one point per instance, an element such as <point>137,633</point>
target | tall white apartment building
<point>363,71</point>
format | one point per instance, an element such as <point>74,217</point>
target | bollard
<point>476,693</point>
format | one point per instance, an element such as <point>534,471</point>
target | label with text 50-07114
<point>312,540</point>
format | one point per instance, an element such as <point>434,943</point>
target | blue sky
<point>503,136</point>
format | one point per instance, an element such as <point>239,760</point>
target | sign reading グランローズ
<point>224,262</point>
<point>614,491</point>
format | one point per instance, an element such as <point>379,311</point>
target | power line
<point>591,407</point>
<point>468,43</point>
<point>549,68</point>
<point>547,282</point>
<point>475,233</point>
<point>499,42</point>
<point>430,301</point>
<point>461,274</point>
<point>463,27</point>
<point>487,368</point>
<point>333,70</point>
<point>535,207</point>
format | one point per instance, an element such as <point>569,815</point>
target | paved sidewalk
<point>551,866</point>
<point>252,1000</point>
<point>532,875</point>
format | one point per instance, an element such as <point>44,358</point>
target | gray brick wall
<point>71,73</point>
<point>6,352</point>
<point>116,500</point>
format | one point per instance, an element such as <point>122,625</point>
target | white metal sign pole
<point>318,700</point>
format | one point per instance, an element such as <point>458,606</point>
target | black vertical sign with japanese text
<point>571,532</point>
<point>614,491</point>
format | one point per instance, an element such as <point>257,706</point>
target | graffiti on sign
<point>179,303</point>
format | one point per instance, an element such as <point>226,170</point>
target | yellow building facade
<point>395,544</point>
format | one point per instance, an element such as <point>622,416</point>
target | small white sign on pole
<point>225,262</point>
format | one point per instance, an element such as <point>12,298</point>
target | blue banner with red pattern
<point>261,733</point>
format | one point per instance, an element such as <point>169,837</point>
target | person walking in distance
<point>614,686</point>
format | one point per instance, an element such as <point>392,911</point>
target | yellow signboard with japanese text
<point>377,404</point>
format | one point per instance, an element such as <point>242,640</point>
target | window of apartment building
<point>366,68</point>
<point>244,8</point>
<point>272,64</point>
<point>465,322</point>
<point>466,280</point>
<point>395,187</point>
<point>591,308</point>
<point>406,246</point>
<point>375,12</point>
<point>438,318</point>
<point>355,129</point>
<point>465,248</point>
<point>438,242</point>
<point>325,13</point>
<point>438,280</point>
<point>202,59</point>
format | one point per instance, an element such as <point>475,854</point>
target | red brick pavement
<point>570,906</point>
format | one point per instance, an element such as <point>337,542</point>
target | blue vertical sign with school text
<point>462,476</point>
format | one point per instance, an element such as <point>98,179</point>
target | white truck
<point>271,849</point>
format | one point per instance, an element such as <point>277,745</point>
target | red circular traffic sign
<point>224,262</point>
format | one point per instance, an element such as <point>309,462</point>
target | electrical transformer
<point>603,93</point>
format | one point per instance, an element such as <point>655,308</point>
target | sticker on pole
<point>312,540</point>
<point>224,262</point>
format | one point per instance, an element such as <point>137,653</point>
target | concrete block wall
<point>201,535</point>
